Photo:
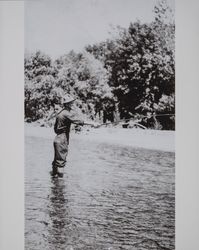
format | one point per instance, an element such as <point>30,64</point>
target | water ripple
<point>110,198</point>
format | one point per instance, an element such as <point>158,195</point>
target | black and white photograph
<point>99,124</point>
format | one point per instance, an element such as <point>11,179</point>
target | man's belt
<point>61,131</point>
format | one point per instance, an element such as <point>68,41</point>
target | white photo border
<point>12,130</point>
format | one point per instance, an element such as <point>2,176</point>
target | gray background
<point>12,138</point>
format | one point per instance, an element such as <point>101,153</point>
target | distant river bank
<point>138,138</point>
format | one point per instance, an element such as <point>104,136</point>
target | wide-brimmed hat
<point>68,99</point>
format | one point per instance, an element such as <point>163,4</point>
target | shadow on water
<point>58,213</point>
<point>63,231</point>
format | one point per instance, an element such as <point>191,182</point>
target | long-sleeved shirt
<point>63,122</point>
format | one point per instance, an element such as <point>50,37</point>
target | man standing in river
<point>62,126</point>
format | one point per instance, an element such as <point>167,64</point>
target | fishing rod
<point>54,114</point>
<point>135,117</point>
<point>122,121</point>
<point>150,116</point>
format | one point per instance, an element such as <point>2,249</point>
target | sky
<point>58,26</point>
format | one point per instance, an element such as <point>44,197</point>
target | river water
<point>110,198</point>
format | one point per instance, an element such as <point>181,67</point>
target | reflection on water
<point>57,211</point>
<point>110,198</point>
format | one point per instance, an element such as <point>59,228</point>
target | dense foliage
<point>130,75</point>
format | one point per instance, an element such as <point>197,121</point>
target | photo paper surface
<point>99,117</point>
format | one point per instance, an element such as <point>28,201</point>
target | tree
<point>86,77</point>
<point>141,62</point>
<point>39,85</point>
<point>134,73</point>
